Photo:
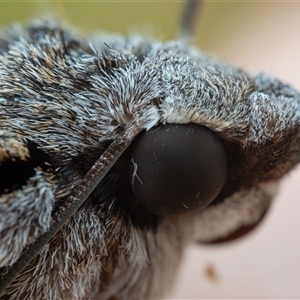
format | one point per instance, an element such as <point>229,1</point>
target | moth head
<point>137,134</point>
<point>253,122</point>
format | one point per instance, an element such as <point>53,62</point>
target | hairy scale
<point>65,98</point>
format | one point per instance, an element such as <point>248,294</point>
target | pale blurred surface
<point>257,37</point>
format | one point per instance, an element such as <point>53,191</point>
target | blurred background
<point>259,37</point>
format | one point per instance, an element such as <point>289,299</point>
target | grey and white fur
<point>65,98</point>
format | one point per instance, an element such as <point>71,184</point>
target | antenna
<point>189,18</point>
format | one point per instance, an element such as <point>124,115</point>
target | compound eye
<point>177,168</point>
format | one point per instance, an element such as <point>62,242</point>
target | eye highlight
<point>177,168</point>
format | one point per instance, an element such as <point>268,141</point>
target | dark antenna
<point>189,18</point>
<point>73,202</point>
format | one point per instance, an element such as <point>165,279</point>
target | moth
<point>116,151</point>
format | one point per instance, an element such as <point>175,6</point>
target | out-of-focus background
<point>259,37</point>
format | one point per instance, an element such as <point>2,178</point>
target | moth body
<point>65,98</point>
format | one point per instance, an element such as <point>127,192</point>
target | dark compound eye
<point>177,168</point>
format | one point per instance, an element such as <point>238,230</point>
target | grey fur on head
<point>65,98</point>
